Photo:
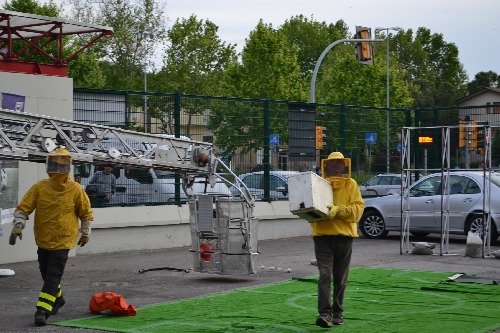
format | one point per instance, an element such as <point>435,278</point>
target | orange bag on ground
<point>105,301</point>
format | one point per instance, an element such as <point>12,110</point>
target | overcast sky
<point>472,25</point>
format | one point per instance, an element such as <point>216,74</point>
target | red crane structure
<point>22,36</point>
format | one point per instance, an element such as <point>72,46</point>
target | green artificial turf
<point>376,300</point>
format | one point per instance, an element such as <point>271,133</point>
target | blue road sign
<point>274,139</point>
<point>371,138</point>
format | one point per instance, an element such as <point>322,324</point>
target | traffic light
<point>365,52</point>
<point>481,136</point>
<point>319,137</point>
<point>472,135</point>
<point>462,134</point>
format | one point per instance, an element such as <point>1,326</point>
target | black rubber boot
<point>59,303</point>
<point>41,317</point>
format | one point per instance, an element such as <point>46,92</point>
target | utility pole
<point>145,34</point>
<point>387,121</point>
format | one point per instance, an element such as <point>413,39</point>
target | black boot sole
<point>40,319</point>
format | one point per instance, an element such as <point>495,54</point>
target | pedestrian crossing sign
<point>371,138</point>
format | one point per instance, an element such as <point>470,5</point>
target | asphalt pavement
<point>279,260</point>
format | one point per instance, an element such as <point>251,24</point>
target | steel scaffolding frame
<point>407,170</point>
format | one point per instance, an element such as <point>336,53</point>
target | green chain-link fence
<point>264,135</point>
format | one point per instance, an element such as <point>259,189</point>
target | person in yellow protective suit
<point>58,203</point>
<point>333,238</point>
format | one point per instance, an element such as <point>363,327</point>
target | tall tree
<point>483,80</point>
<point>345,80</point>
<point>310,38</point>
<point>433,65</point>
<point>269,68</point>
<point>138,30</point>
<point>194,63</point>
<point>33,7</point>
<point>196,58</point>
<point>86,71</point>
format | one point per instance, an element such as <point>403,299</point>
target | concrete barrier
<point>156,227</point>
<point>153,227</point>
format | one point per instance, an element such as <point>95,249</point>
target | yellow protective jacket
<point>58,203</point>
<point>347,196</point>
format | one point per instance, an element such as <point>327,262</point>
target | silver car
<point>278,184</point>
<point>466,193</point>
<point>382,184</point>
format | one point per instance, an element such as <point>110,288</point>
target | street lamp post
<point>145,34</point>
<point>387,121</point>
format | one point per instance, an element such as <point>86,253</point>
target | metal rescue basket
<point>223,234</point>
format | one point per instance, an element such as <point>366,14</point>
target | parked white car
<point>466,193</point>
<point>382,184</point>
<point>137,186</point>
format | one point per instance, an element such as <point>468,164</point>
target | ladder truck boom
<point>30,137</point>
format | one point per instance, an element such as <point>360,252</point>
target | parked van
<point>147,186</point>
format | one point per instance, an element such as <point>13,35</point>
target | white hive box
<point>309,195</point>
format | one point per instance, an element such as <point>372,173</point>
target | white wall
<point>155,227</point>
<point>482,99</point>
<point>47,95</point>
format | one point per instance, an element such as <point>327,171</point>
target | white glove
<point>19,219</point>
<point>85,228</point>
